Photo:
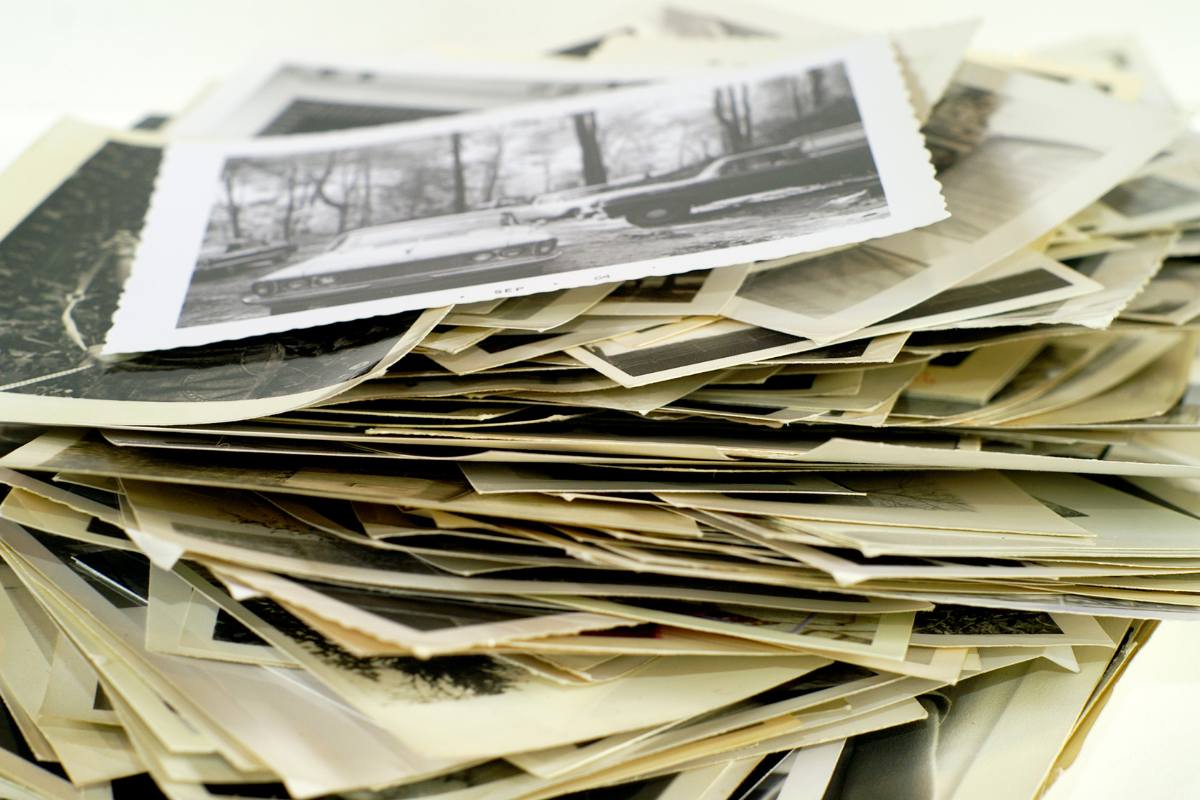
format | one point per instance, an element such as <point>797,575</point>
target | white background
<point>111,61</point>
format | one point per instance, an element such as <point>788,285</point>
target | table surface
<point>115,61</point>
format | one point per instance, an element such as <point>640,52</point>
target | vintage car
<point>578,201</point>
<point>405,258</point>
<point>801,162</point>
<point>564,204</point>
<point>239,253</point>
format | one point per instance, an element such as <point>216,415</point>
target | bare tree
<point>625,146</point>
<point>491,171</point>
<point>289,185</point>
<point>731,107</point>
<point>416,186</point>
<point>348,188</point>
<point>586,131</point>
<point>460,182</point>
<point>364,165</point>
<point>693,142</point>
<point>747,120</point>
<point>287,220</point>
<point>820,91</point>
<point>800,95</point>
<point>413,181</point>
<point>232,209</point>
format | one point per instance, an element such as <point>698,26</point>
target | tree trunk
<point>493,175</point>
<point>416,195</point>
<point>747,120</point>
<point>794,91</point>
<point>235,213</point>
<point>368,212</point>
<point>733,117</point>
<point>460,183</point>
<point>289,211</point>
<point>594,171</point>
<point>819,91</point>
<point>342,207</point>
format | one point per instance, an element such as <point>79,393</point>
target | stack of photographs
<point>728,407</point>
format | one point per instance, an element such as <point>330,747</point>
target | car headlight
<point>297,283</point>
<point>324,280</point>
<point>264,289</point>
<point>546,246</point>
<point>512,252</point>
<point>486,255</point>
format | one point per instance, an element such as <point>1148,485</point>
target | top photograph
<point>606,185</point>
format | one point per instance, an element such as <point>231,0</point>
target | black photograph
<point>65,262</point>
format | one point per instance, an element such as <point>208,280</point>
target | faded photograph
<point>1172,295</point>
<point>705,346</point>
<point>715,167</point>
<point>681,288</point>
<point>1149,194</point>
<point>959,124</point>
<point>413,679</point>
<point>297,97</point>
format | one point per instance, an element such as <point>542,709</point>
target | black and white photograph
<point>956,626</point>
<point>721,344</point>
<point>693,174</point>
<point>704,349</point>
<point>534,198</point>
<point>960,620</point>
<point>1149,194</point>
<point>680,289</point>
<point>1164,195</point>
